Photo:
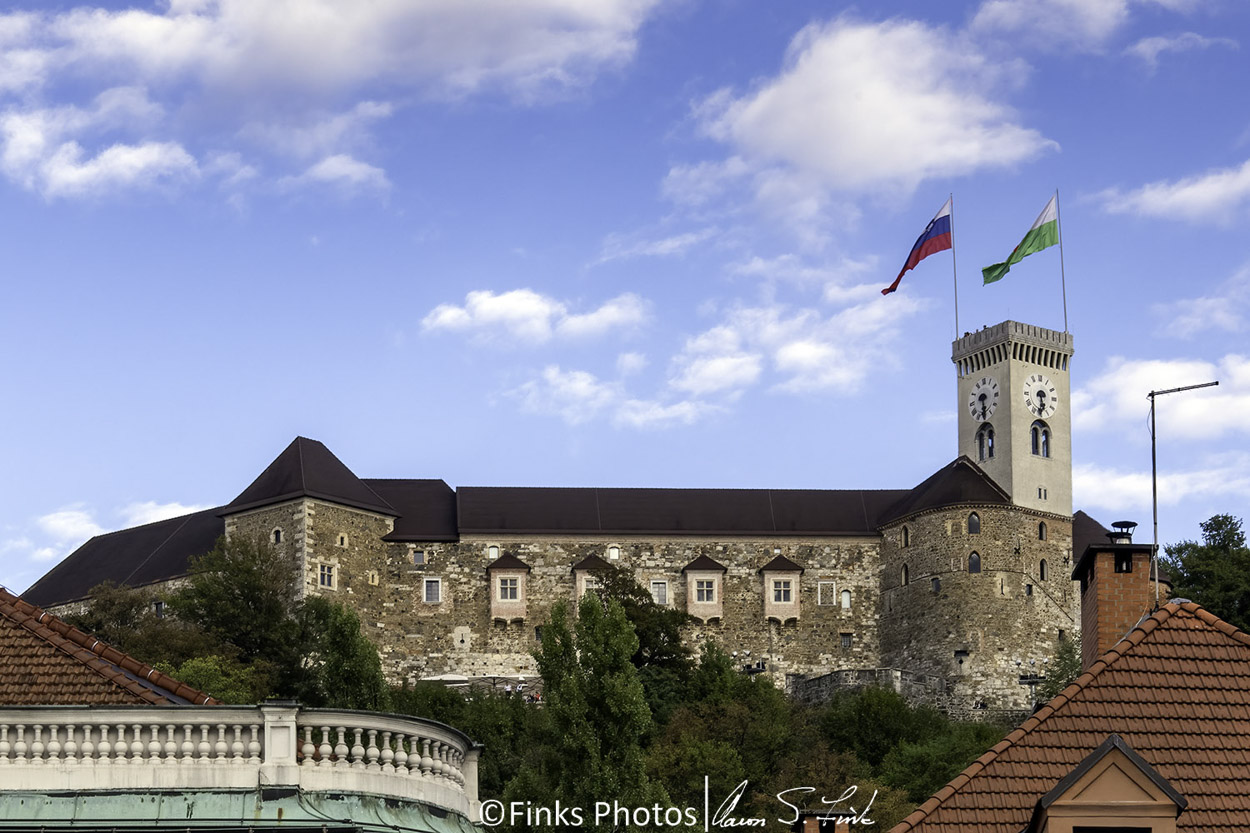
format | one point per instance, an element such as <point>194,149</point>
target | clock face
<point>1040,397</point>
<point>983,398</point>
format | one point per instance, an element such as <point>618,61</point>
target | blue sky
<point>604,242</point>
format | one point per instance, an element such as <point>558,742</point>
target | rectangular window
<point>826,593</point>
<point>509,589</point>
<point>325,576</point>
<point>418,557</point>
<point>591,583</point>
<point>781,590</point>
<point>659,592</point>
<point>433,591</point>
<point>705,591</point>
<point>847,639</point>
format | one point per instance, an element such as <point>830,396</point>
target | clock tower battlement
<point>1015,417</point>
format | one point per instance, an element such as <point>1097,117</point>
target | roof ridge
<point>93,653</point>
<point>1132,638</point>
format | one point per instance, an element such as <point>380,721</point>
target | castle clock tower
<point>1015,417</point>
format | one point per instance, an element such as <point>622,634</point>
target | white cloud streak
<point>1149,49</point>
<point>577,396</point>
<point>527,316</point>
<point>1224,310</point>
<point>1218,196</point>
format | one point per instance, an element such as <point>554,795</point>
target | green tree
<point>598,715</point>
<point>227,679</point>
<point>1216,572</point>
<point>127,618</point>
<point>338,666</point>
<point>1064,670</point>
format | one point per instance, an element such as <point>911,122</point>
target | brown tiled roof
<point>1177,689</point>
<point>45,661</point>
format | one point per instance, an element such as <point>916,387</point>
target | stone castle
<point>961,584</point>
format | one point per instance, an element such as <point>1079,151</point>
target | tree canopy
<point>1216,572</point>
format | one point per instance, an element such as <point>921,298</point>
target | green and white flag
<point>1043,235</point>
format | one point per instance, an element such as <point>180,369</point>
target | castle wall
<point>981,630</point>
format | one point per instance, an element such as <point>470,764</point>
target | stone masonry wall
<point>982,630</point>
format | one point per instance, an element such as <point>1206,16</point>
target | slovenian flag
<point>1043,235</point>
<point>936,237</point>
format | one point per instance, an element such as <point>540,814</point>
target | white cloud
<point>702,182</point>
<point>1218,196</point>
<point>320,134</point>
<point>1123,490</point>
<point>1115,400</point>
<point>617,247</point>
<point>859,106</point>
<point>1149,49</point>
<point>1082,24</point>
<point>69,524</point>
<point>344,172</point>
<point>66,173</point>
<point>628,364</point>
<point>1224,310</point>
<point>577,396</point>
<point>149,511</point>
<point>525,315</point>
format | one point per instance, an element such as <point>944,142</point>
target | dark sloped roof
<point>591,562</point>
<point>703,562</point>
<point>426,508</point>
<point>781,564</point>
<point>958,482</point>
<point>1177,689</point>
<point>306,468</point>
<point>508,562</point>
<point>44,661</point>
<point>134,557</point>
<point>485,510</point>
<point>1086,531</point>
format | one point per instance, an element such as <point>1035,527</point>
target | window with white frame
<point>782,590</point>
<point>846,599</point>
<point>591,583</point>
<point>705,591</point>
<point>826,593</point>
<point>659,592</point>
<point>433,591</point>
<point>325,575</point>
<point>492,552</point>
<point>509,588</point>
<point>614,553</point>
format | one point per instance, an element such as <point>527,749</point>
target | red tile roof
<point>1177,689</point>
<point>45,661</point>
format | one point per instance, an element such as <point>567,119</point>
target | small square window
<point>826,593</point>
<point>342,540</point>
<point>935,584</point>
<point>781,590</point>
<point>659,593</point>
<point>705,591</point>
<point>509,589</point>
<point>847,639</point>
<point>1028,590</point>
<point>418,557</point>
<point>433,591</point>
<point>325,575</point>
<point>158,607</point>
<point>590,583</point>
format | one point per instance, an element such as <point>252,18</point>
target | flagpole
<point>1063,280</point>
<point>954,272</point>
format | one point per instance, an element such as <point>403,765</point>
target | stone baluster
<point>220,747</point>
<point>341,748</point>
<point>388,754</point>
<point>5,746</point>
<point>19,748</point>
<point>372,752</point>
<point>187,749</point>
<point>427,762</point>
<point>36,746</point>
<point>325,750</point>
<point>104,749</point>
<point>54,744</point>
<point>71,746</point>
<point>436,768</point>
<point>120,748</point>
<point>136,745</point>
<point>308,750</point>
<point>203,749</point>
<point>237,748</point>
<point>88,748</point>
<point>358,750</point>
<point>170,749</point>
<point>253,745</point>
<point>401,754</point>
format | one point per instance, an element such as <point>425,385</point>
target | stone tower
<point>1015,419</point>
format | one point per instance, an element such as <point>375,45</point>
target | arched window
<point>1041,569</point>
<point>277,536</point>
<point>974,524</point>
<point>1041,531</point>
<point>985,442</point>
<point>846,599</point>
<point>903,579</point>
<point>906,537</point>
<point>1039,437</point>
<point>974,563</point>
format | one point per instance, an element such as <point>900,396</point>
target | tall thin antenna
<point>1063,280</point>
<point>954,274</point>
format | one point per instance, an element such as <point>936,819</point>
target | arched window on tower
<point>1039,436</point>
<point>1041,570</point>
<point>974,563</point>
<point>903,578</point>
<point>985,442</point>
<point>974,524</point>
<point>1041,530</point>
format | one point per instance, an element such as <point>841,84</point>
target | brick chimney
<point>1116,590</point>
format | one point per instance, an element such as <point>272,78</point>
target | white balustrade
<point>206,747</point>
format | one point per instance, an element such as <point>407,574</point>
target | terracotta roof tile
<point>1177,689</point>
<point>45,661</point>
